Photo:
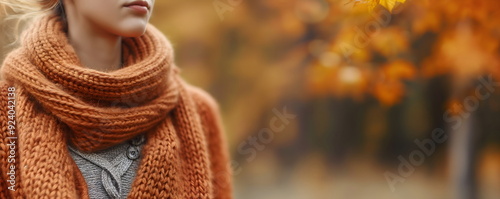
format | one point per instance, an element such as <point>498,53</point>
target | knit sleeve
<point>219,155</point>
<point>3,145</point>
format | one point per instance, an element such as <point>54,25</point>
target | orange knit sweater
<point>49,101</point>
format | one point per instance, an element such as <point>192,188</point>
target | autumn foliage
<point>384,43</point>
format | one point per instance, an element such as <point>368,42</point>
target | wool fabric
<point>59,102</point>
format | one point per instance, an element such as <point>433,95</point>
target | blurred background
<point>349,99</point>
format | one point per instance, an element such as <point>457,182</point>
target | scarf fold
<point>61,102</point>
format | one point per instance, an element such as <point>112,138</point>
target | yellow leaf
<point>370,4</point>
<point>390,4</point>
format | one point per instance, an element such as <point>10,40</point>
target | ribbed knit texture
<point>60,102</point>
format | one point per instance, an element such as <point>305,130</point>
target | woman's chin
<point>132,28</point>
<point>135,32</point>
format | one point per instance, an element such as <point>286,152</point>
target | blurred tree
<point>466,41</point>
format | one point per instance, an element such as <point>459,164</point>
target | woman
<point>92,106</point>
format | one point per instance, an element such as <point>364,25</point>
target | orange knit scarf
<point>59,102</point>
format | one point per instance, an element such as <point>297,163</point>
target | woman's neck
<point>96,49</point>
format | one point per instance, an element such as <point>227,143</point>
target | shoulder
<point>208,110</point>
<point>203,100</point>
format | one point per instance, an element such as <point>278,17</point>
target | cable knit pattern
<point>60,102</point>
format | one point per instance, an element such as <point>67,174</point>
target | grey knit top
<point>109,173</point>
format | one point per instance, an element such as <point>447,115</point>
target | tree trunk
<point>463,147</point>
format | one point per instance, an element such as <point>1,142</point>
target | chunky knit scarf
<point>60,102</point>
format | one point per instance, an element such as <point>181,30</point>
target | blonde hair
<point>21,12</point>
